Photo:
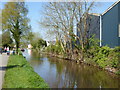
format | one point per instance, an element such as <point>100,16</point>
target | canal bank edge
<point>110,70</point>
<point>20,74</point>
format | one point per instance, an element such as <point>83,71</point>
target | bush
<point>105,50</point>
<point>55,49</point>
<point>117,49</point>
<point>107,57</point>
<point>113,59</point>
<point>104,56</point>
<point>118,72</point>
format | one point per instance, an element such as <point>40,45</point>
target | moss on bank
<point>20,74</point>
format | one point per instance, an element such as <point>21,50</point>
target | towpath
<point>3,64</point>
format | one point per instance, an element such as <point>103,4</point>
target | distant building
<point>29,46</point>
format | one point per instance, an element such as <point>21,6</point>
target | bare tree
<point>61,17</point>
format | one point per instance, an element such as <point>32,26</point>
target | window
<point>119,30</point>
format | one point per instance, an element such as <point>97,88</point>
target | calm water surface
<point>59,73</point>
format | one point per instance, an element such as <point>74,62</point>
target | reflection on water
<point>29,51</point>
<point>60,73</point>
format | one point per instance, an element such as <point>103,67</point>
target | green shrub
<point>105,50</point>
<point>102,62</point>
<point>105,56</point>
<point>114,59</point>
<point>116,49</point>
<point>118,72</point>
<point>55,49</point>
<point>94,41</point>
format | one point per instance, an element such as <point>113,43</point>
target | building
<point>106,26</point>
<point>110,31</point>
<point>93,26</point>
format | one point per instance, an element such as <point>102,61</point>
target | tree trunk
<point>17,47</point>
<point>17,44</point>
<point>82,52</point>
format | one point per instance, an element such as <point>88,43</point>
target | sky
<point>35,14</point>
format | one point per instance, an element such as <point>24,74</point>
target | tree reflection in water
<point>59,73</point>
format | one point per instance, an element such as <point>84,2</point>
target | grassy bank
<point>102,57</point>
<point>20,74</point>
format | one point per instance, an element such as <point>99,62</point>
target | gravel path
<point>3,63</point>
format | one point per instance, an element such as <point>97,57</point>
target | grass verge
<point>20,74</point>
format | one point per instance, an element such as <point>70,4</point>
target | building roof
<point>111,7</point>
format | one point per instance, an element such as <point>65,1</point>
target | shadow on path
<point>9,67</point>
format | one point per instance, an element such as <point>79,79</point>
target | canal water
<point>59,73</point>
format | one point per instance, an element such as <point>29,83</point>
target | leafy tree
<point>14,20</point>
<point>42,43</point>
<point>6,39</point>
<point>36,41</point>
